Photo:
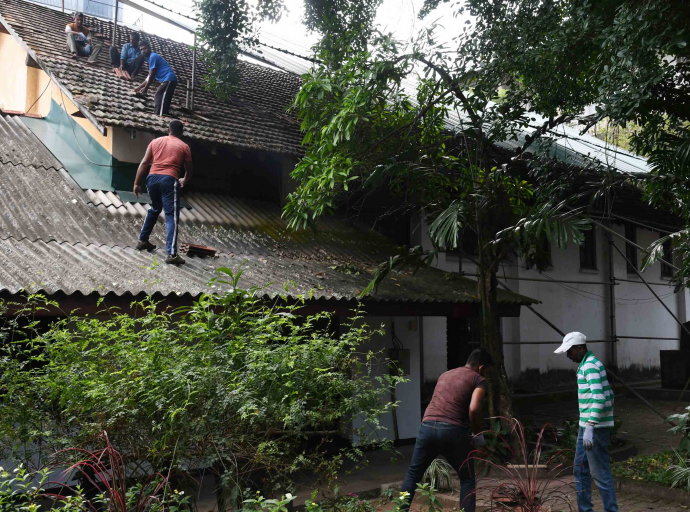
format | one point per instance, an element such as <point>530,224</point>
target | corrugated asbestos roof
<point>254,118</point>
<point>56,237</point>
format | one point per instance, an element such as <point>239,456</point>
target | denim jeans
<point>453,442</point>
<point>164,191</point>
<point>594,463</point>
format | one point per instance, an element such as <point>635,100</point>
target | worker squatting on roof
<point>128,62</point>
<point>163,73</point>
<point>79,39</point>
<point>165,156</point>
<point>595,399</point>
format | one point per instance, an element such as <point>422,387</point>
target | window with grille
<point>667,270</point>
<point>630,249</point>
<point>588,250</point>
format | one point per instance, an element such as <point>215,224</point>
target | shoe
<point>174,260</point>
<point>145,245</point>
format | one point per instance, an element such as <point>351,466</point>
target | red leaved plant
<point>521,486</point>
<point>105,471</point>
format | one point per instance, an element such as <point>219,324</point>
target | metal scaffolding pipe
<point>646,338</point>
<point>536,279</point>
<point>117,6</point>
<point>551,342</point>
<point>637,282</point>
<point>667,309</point>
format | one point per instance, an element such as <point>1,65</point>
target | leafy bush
<point>249,389</point>
<point>682,428</point>
<point>680,472</point>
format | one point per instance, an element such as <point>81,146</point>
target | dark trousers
<point>164,96</point>
<point>454,443</point>
<point>165,196</point>
<point>131,68</point>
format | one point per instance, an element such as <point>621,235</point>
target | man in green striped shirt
<point>595,398</point>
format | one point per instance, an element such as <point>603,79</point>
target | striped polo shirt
<point>594,393</point>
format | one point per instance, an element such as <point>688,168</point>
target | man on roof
<point>79,42</point>
<point>164,75</point>
<point>127,62</point>
<point>595,399</point>
<point>165,156</point>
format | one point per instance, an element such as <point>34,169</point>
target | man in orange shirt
<point>79,41</point>
<point>165,156</point>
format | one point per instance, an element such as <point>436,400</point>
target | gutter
<point>88,115</point>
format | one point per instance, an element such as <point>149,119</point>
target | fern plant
<point>438,475</point>
<point>680,472</point>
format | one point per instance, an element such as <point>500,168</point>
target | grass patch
<point>652,468</point>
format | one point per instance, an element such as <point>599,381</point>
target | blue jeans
<point>453,442</point>
<point>165,196</point>
<point>594,463</point>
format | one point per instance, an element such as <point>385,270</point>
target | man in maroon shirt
<point>455,411</point>
<point>165,156</point>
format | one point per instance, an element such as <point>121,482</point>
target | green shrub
<point>247,388</point>
<point>439,475</point>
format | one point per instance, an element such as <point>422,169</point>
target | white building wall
<point>409,393</point>
<point>583,306</point>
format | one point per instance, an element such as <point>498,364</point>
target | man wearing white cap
<point>596,420</point>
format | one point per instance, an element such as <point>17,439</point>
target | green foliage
<point>682,428</point>
<point>680,472</point>
<point>439,475</point>
<point>249,389</point>
<point>651,468</point>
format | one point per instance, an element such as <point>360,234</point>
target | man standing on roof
<point>163,73</point>
<point>454,413</point>
<point>165,156</point>
<point>128,62</point>
<point>596,421</point>
<point>79,42</point>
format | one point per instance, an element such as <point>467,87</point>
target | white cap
<point>571,339</point>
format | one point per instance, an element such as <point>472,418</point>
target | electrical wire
<point>170,10</point>
<point>37,99</point>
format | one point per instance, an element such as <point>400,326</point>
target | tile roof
<point>56,237</point>
<point>254,118</point>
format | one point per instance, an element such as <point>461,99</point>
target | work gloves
<point>588,437</point>
<point>478,441</point>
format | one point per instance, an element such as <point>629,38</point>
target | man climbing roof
<point>165,156</point>
<point>164,75</point>
<point>596,421</point>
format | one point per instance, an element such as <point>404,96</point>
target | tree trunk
<point>500,399</point>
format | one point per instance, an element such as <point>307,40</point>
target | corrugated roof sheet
<point>56,237</point>
<point>75,268</point>
<point>254,118</point>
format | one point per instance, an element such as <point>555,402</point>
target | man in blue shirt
<point>128,62</point>
<point>164,75</point>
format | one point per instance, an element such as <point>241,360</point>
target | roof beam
<point>161,17</point>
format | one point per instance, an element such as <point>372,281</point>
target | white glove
<point>478,441</point>
<point>588,437</point>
